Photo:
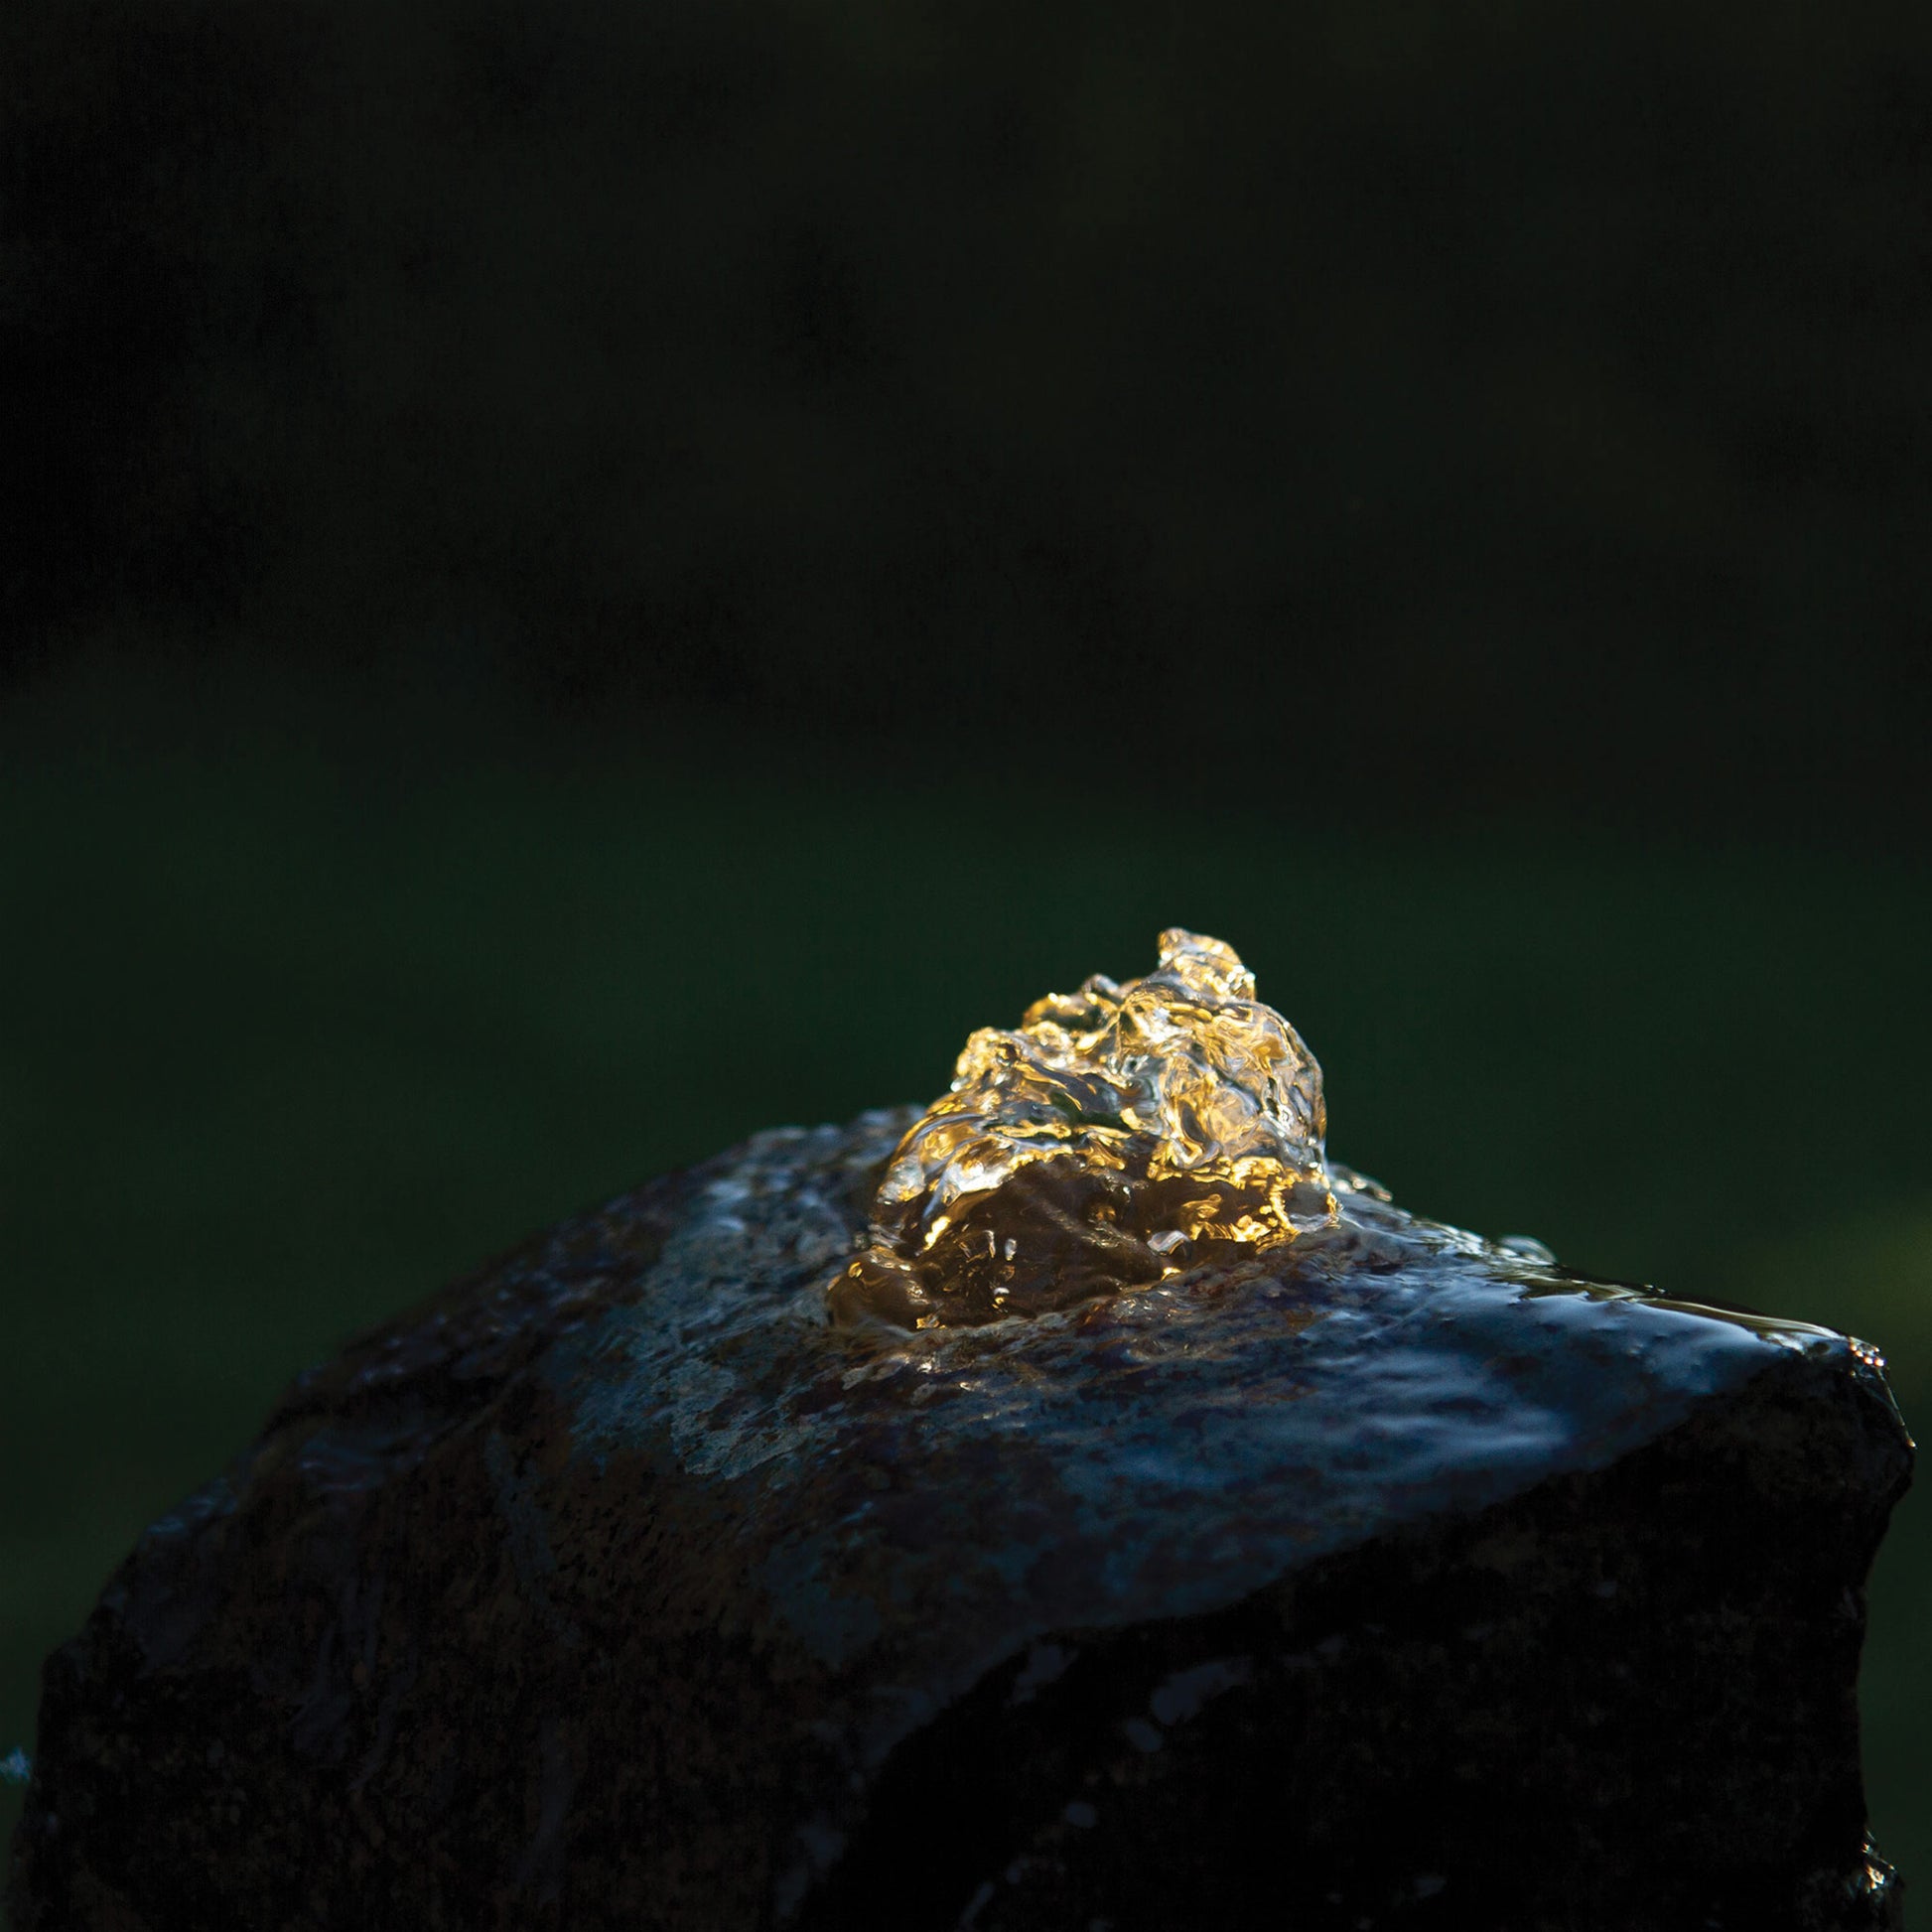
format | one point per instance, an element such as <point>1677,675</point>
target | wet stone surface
<point>1381,1577</point>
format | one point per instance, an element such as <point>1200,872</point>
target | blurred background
<point>576,581</point>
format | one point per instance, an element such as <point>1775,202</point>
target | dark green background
<point>579,579</point>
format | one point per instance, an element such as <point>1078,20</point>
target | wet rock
<point>1381,1578</point>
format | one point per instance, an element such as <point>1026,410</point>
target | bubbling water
<point>1116,1136</point>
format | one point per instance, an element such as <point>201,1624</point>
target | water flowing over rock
<point>1114,1135</point>
<point>1370,1575</point>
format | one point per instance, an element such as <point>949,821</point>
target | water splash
<point>1116,1136</point>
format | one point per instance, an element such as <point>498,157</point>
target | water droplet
<point>1528,1246</point>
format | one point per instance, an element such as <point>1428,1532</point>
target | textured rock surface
<point>1387,1578</point>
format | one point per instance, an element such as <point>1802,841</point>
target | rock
<point>1382,1578</point>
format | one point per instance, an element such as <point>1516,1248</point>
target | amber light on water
<point>1116,1136</point>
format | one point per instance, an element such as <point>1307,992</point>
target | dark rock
<point>1386,1578</point>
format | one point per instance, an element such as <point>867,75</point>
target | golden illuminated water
<point>1116,1136</point>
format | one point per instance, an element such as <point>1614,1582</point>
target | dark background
<point>576,581</point>
<point>1454,403</point>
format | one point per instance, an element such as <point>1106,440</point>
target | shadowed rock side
<point>1381,1578</point>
